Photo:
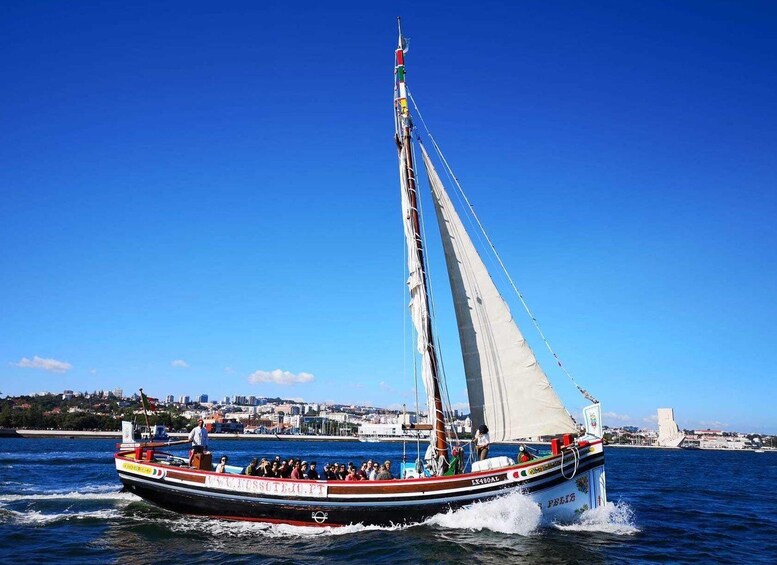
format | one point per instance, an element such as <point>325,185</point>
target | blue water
<point>60,501</point>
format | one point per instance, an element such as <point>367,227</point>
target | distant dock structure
<point>669,435</point>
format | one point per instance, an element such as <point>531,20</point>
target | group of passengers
<point>297,469</point>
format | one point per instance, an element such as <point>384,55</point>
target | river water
<point>60,501</point>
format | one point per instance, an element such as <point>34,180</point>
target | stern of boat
<point>578,485</point>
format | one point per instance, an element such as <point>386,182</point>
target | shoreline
<point>83,434</point>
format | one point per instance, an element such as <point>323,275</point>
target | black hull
<point>339,503</point>
<point>287,513</point>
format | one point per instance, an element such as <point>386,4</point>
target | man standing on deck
<point>482,440</point>
<point>199,438</point>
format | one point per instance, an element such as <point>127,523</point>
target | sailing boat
<point>508,392</point>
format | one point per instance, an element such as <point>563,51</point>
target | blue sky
<point>195,195</point>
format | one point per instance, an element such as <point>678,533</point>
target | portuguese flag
<point>149,404</point>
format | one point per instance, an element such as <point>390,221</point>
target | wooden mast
<point>404,127</point>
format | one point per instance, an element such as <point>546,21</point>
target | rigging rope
<point>534,320</point>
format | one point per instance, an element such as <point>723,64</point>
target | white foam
<point>511,514</point>
<point>612,518</point>
<point>222,529</point>
<point>71,496</point>
<point>35,517</point>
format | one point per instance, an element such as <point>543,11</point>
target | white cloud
<point>180,363</point>
<point>51,365</point>
<point>460,406</point>
<point>93,371</point>
<point>280,377</point>
<point>617,417</point>
<point>713,425</point>
<point>385,387</point>
<point>229,370</point>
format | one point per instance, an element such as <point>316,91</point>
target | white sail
<point>419,307</point>
<point>508,391</point>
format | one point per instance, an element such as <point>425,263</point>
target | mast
<point>419,288</point>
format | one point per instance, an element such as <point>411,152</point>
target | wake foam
<point>105,495</point>
<point>33,517</point>
<point>511,514</point>
<point>613,518</point>
<point>237,529</point>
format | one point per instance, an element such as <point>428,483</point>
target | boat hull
<point>563,486</point>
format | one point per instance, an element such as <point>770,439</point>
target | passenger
<point>296,472</point>
<point>263,468</point>
<point>374,471</point>
<point>312,473</point>
<point>481,442</point>
<point>199,438</point>
<point>252,467</point>
<point>341,473</point>
<point>442,463</point>
<point>457,464</point>
<point>329,473</point>
<point>272,472</point>
<point>385,472</point>
<point>222,466</point>
<point>524,456</point>
<point>284,471</point>
<point>352,476</point>
<point>363,474</point>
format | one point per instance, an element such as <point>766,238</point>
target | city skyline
<point>195,199</point>
<point>242,401</point>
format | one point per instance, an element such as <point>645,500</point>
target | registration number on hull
<point>487,480</point>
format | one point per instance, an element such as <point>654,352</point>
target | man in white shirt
<point>199,438</point>
<point>481,442</point>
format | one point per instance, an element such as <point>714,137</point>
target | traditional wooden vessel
<point>508,392</point>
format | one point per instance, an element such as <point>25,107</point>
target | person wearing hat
<point>481,442</point>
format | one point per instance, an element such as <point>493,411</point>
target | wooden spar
<point>404,143</point>
<point>145,413</point>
